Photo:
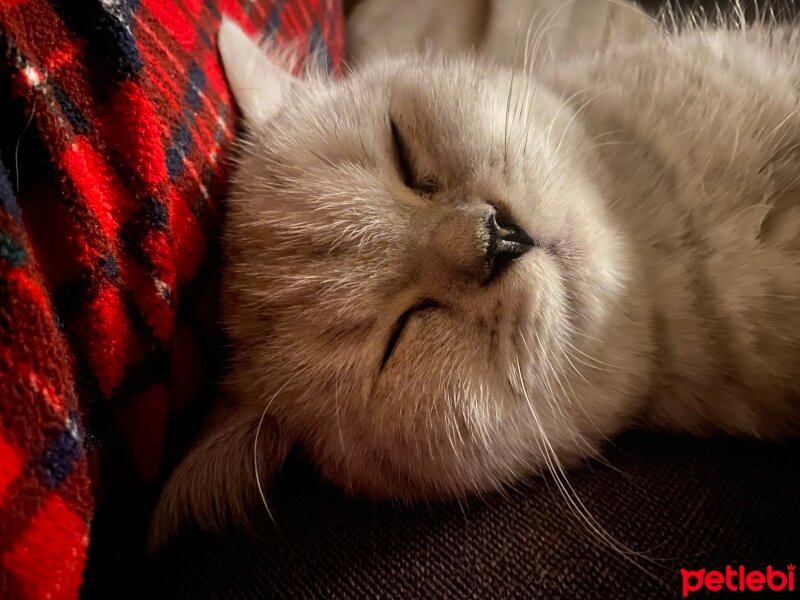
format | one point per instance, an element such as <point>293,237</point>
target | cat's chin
<point>429,485</point>
<point>441,486</point>
<point>459,475</point>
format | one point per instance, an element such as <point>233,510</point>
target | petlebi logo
<point>740,579</point>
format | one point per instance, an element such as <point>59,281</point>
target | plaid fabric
<point>116,124</point>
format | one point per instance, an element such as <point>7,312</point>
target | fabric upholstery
<point>680,503</point>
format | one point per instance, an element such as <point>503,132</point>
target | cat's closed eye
<point>402,156</point>
<point>397,332</point>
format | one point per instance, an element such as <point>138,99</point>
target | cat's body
<point>658,185</point>
<point>699,138</point>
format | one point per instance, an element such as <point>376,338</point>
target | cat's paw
<point>216,484</point>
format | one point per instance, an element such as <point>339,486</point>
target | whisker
<point>573,500</point>
<point>255,443</point>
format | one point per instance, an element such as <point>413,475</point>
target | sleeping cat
<point>444,274</point>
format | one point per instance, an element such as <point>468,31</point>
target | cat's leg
<point>377,27</point>
<point>215,484</point>
<point>536,32</point>
<point>503,30</point>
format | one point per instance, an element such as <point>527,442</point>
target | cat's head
<point>416,256</point>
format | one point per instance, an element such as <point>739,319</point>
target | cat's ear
<point>215,484</point>
<point>259,85</point>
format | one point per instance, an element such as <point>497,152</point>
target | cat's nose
<point>507,242</point>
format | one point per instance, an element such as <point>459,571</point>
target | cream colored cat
<point>444,274</point>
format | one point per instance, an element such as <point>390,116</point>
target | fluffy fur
<point>660,181</point>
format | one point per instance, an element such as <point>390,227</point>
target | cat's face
<point>415,256</point>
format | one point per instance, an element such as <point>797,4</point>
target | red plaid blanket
<point>116,122</point>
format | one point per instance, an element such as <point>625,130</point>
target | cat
<point>444,274</point>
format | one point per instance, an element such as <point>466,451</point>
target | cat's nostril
<point>507,242</point>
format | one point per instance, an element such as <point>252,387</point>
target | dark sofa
<point>669,503</point>
<point>681,503</point>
